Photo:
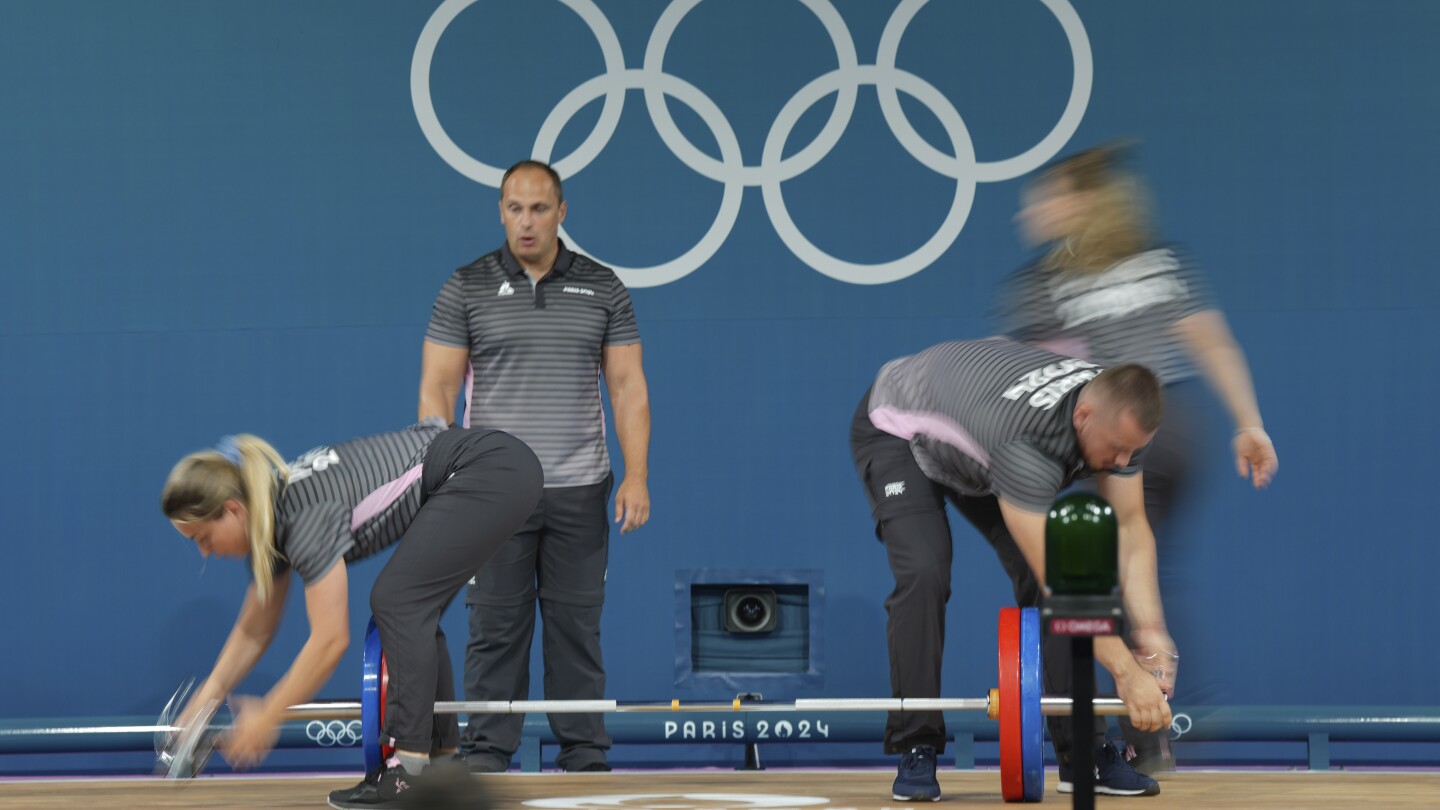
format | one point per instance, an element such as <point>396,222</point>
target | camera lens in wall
<point>750,610</point>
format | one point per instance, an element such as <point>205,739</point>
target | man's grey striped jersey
<point>1123,314</point>
<point>351,500</point>
<point>989,417</point>
<point>535,353</point>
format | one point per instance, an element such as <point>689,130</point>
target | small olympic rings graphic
<point>338,733</point>
<point>1180,725</point>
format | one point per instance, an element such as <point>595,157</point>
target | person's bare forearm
<point>311,669</point>
<point>1139,578</point>
<point>1226,370</point>
<point>254,630</point>
<point>442,371</point>
<point>1229,375</point>
<point>438,400</point>
<point>1113,653</point>
<point>239,656</point>
<point>631,404</point>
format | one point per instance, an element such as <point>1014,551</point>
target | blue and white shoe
<point>1113,776</point>
<point>916,780</point>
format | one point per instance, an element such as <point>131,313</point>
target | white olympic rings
<point>774,168</point>
<point>329,733</point>
<point>1180,725</point>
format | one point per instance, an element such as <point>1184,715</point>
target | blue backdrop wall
<point>221,217</point>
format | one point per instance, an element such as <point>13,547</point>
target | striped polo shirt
<point>989,417</point>
<point>535,354</point>
<point>1123,314</point>
<point>349,501</point>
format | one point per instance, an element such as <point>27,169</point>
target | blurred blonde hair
<point>1115,222</point>
<point>202,482</point>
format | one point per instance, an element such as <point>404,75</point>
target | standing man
<point>999,429</point>
<point>530,329</point>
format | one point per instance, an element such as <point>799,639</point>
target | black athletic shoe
<point>389,789</point>
<point>363,792</point>
<point>441,786</point>
<point>1113,776</point>
<point>915,781</point>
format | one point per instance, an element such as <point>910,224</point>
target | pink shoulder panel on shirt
<point>909,424</point>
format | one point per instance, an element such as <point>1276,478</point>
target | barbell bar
<point>1050,706</point>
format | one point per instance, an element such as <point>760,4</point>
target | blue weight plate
<point>370,698</point>
<point>1032,724</point>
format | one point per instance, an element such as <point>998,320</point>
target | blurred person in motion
<point>1106,289</point>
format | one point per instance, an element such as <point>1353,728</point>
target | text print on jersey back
<point>316,460</point>
<point>1146,281</point>
<point>1049,384</point>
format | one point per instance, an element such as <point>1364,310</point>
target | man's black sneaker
<point>1113,776</point>
<point>915,781</point>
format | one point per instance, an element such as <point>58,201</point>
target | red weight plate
<point>386,749</point>
<point>1012,763</point>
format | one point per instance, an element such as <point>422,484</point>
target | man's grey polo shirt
<point>535,353</point>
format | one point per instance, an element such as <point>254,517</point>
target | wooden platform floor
<point>724,790</point>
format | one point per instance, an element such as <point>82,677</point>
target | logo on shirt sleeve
<point>894,488</point>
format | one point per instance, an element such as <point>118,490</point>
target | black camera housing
<point>751,610</point>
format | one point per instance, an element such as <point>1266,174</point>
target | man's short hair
<point>1134,388</point>
<point>534,164</point>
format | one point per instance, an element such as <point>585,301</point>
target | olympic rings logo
<point>1180,725</point>
<point>329,733</point>
<point>774,168</point>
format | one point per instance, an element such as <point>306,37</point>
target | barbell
<point>1017,702</point>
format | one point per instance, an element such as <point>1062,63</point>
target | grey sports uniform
<point>987,417</point>
<point>1125,313</point>
<point>969,422</point>
<point>535,351</point>
<point>351,500</point>
<point>455,496</point>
